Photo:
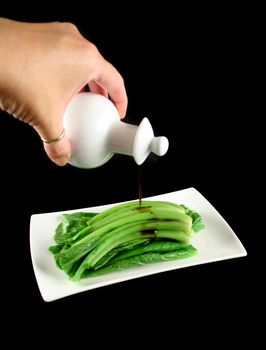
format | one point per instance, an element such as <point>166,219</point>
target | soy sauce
<point>139,185</point>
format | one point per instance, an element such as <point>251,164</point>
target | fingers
<point>97,89</point>
<point>56,145</point>
<point>59,152</point>
<point>110,80</point>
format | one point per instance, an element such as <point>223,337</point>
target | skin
<point>42,66</point>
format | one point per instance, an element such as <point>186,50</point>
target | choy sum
<point>126,235</point>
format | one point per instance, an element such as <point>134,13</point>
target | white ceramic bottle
<point>93,125</point>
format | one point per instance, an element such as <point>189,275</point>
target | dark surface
<point>184,70</point>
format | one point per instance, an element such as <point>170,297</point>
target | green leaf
<point>157,246</point>
<point>122,248</point>
<point>55,249</point>
<point>197,224</point>
<point>142,259</point>
<point>70,225</point>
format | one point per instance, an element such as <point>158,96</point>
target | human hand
<point>42,66</point>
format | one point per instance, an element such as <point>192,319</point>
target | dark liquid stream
<point>139,185</point>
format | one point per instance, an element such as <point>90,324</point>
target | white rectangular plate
<point>216,242</point>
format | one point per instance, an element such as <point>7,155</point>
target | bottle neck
<point>121,138</point>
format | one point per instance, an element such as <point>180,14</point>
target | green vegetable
<point>196,219</point>
<point>124,235</point>
<point>142,259</point>
<point>71,224</point>
<point>156,246</point>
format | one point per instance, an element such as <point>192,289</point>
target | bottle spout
<point>159,145</point>
<point>145,142</point>
<point>137,141</point>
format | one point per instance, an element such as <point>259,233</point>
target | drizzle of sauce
<point>139,185</point>
<point>143,209</point>
<point>148,232</point>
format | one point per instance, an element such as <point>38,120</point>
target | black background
<point>185,68</point>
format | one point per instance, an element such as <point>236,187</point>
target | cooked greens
<point>126,235</point>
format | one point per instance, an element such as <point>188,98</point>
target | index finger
<point>110,80</point>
